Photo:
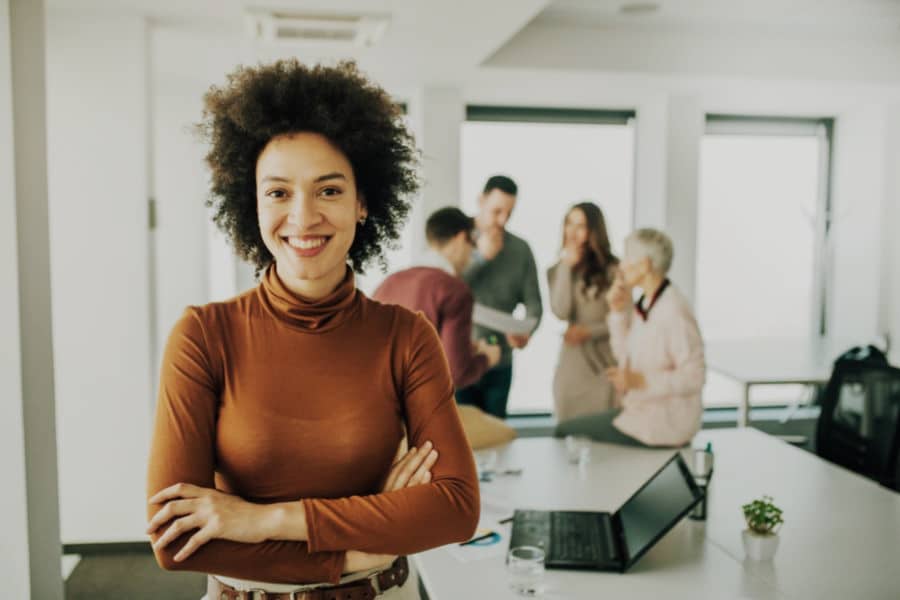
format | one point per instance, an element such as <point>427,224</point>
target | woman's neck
<point>650,284</point>
<point>311,289</point>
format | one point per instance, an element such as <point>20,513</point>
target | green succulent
<point>762,516</point>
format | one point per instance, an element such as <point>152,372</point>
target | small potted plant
<point>763,521</point>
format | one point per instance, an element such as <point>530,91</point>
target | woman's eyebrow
<point>319,179</point>
<point>274,178</point>
<point>335,175</point>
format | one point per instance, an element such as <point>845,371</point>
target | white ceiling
<point>445,41</point>
<point>856,18</point>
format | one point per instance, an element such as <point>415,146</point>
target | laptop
<point>601,541</point>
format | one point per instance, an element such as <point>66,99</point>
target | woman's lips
<point>307,246</point>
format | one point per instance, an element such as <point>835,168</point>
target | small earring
<point>362,220</point>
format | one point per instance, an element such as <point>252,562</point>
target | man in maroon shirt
<point>435,288</point>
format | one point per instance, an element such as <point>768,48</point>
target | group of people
<point>621,376</point>
<point>308,437</point>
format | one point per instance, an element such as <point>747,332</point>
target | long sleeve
<point>466,366</point>
<point>531,290</point>
<point>685,346</point>
<point>421,517</point>
<point>559,280</point>
<point>183,451</point>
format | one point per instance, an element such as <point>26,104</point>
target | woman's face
<point>633,266</point>
<point>575,229</point>
<point>308,209</point>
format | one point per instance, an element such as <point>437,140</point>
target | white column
<point>436,115</point>
<point>684,133</point>
<point>30,543</point>
<point>860,174</point>
<point>650,163</point>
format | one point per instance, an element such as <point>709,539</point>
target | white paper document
<point>494,534</point>
<point>501,321</point>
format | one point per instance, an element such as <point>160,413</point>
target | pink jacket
<point>668,350</point>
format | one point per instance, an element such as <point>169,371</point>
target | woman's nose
<point>303,212</point>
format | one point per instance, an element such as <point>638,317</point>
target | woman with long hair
<point>578,285</point>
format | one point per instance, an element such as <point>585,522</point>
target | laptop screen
<point>657,506</point>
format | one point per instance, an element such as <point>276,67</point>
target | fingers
<point>179,490</point>
<point>176,530</point>
<point>197,540</point>
<point>409,465</point>
<point>423,473</point>
<point>402,449</point>
<point>396,468</point>
<point>168,512</point>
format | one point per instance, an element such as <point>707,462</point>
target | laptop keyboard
<point>574,537</point>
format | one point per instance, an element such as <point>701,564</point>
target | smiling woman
<point>279,460</point>
<point>308,209</point>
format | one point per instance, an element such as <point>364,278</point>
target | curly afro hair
<point>260,103</point>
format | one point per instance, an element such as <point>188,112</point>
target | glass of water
<point>578,449</point>
<point>525,566</point>
<point>485,461</point>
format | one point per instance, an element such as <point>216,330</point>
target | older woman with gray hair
<point>659,351</point>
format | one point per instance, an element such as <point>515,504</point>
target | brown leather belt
<point>363,589</point>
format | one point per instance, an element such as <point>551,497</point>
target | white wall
<point>179,181</point>
<point>858,201</point>
<point>684,130</point>
<point>30,543</point>
<point>97,112</point>
<point>890,313</point>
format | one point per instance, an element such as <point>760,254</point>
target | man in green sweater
<point>502,275</point>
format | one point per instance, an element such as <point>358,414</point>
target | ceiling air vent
<point>279,27</point>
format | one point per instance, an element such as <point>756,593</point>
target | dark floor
<point>131,576</point>
<point>134,575</point>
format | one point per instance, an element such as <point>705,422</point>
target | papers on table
<point>493,545</point>
<point>501,321</point>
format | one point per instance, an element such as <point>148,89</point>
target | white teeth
<point>306,244</point>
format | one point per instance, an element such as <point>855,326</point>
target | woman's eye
<point>331,191</point>
<point>276,194</point>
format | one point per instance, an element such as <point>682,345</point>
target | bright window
<point>555,164</point>
<point>763,189</point>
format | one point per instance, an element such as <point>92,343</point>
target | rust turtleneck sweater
<point>276,398</point>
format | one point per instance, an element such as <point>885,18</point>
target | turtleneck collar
<point>313,316</point>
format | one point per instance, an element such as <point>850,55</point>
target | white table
<point>771,362</point>
<point>839,545</point>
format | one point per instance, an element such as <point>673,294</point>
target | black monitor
<point>655,508</point>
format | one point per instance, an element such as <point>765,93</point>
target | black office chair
<point>859,427</point>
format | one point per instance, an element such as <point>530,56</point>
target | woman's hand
<point>619,295</point>
<point>215,514</point>
<point>576,335</point>
<point>355,560</point>
<point>410,467</point>
<point>571,254</point>
<point>626,379</point>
